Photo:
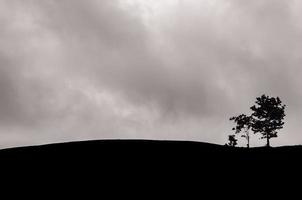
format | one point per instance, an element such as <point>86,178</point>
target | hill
<point>142,157</point>
<point>148,150</point>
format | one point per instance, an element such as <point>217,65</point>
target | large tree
<point>268,115</point>
<point>243,123</point>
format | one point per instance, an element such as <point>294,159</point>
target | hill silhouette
<point>123,154</point>
<point>144,164</point>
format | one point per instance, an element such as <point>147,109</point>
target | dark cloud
<point>74,69</point>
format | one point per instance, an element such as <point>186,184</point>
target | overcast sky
<point>145,69</point>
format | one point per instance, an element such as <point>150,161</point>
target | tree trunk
<point>267,141</point>
<point>247,134</point>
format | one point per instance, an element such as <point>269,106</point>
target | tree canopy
<point>268,115</point>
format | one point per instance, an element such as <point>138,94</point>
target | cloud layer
<point>76,70</point>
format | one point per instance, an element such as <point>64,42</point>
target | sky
<point>75,70</point>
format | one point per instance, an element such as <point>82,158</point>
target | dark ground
<point>151,164</point>
<point>130,154</point>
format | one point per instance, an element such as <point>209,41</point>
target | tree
<point>268,115</point>
<point>232,141</point>
<point>243,122</point>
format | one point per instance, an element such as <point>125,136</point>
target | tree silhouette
<point>268,115</point>
<point>232,141</point>
<point>243,123</point>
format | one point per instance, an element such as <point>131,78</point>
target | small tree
<point>243,123</point>
<point>232,141</point>
<point>268,115</point>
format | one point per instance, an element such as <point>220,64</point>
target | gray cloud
<point>73,70</point>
